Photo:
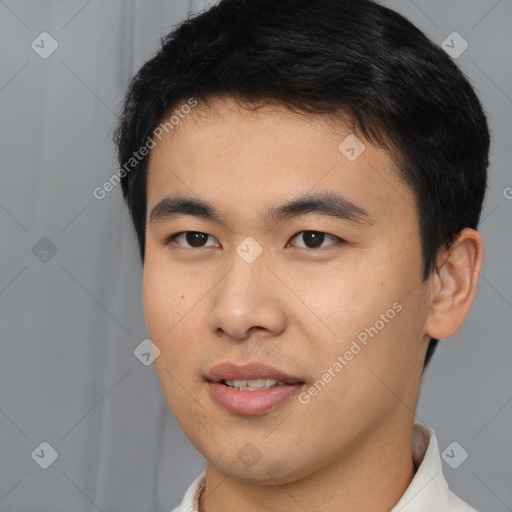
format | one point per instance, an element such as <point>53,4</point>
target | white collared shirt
<point>427,492</point>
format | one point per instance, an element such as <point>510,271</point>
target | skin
<point>296,308</point>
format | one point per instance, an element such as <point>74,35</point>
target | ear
<point>454,284</point>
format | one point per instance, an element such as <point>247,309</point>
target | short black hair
<point>343,59</point>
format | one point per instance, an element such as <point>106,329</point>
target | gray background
<point>70,323</point>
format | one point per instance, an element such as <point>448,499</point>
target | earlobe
<point>454,284</point>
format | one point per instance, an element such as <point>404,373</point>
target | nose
<point>249,298</point>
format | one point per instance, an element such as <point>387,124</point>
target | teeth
<point>253,384</point>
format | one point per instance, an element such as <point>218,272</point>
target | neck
<point>372,475</point>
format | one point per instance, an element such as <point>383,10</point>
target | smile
<point>252,389</point>
<point>253,384</point>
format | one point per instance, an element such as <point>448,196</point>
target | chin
<point>267,470</point>
<point>262,472</point>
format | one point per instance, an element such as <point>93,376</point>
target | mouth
<point>253,384</point>
<point>252,389</point>
<point>251,375</point>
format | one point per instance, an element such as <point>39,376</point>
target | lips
<point>253,402</point>
<point>250,371</point>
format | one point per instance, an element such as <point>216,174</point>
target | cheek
<point>174,309</point>
<point>157,302</point>
<point>368,313</point>
<point>171,320</point>
<point>166,300</point>
<point>340,302</point>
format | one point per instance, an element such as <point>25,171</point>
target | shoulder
<point>428,490</point>
<point>458,505</point>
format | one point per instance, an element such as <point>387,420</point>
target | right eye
<point>195,239</point>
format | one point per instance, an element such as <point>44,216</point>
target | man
<point>305,179</point>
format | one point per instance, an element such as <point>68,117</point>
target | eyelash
<point>337,240</point>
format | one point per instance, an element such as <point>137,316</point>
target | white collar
<point>427,492</point>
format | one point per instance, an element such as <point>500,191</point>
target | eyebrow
<point>327,204</point>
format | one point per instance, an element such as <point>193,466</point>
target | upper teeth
<point>254,384</point>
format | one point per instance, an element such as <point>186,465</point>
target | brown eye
<point>314,239</point>
<point>192,239</point>
<point>195,238</point>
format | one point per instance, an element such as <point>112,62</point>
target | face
<point>293,259</point>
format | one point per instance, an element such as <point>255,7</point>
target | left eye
<point>314,239</point>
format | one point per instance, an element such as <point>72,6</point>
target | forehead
<point>245,160</point>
